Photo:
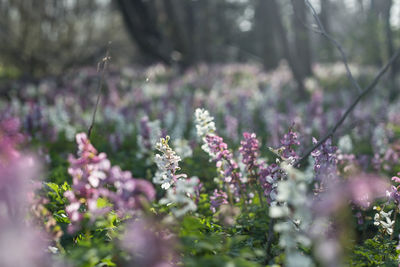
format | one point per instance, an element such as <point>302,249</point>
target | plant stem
<point>101,66</point>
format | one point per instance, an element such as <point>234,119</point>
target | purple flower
<point>130,193</point>
<point>223,158</point>
<point>249,150</point>
<point>393,194</point>
<point>22,245</point>
<point>17,170</point>
<point>288,141</point>
<point>148,246</point>
<point>218,198</point>
<point>361,190</point>
<point>268,177</point>
<point>226,164</point>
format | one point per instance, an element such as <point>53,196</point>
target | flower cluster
<point>148,245</point>
<point>268,178</point>
<point>227,166</point>
<point>18,171</point>
<point>288,142</point>
<point>223,158</point>
<point>327,227</point>
<point>182,148</point>
<point>167,165</point>
<point>181,196</point>
<point>20,243</point>
<point>205,126</point>
<point>286,150</point>
<point>204,122</point>
<point>180,190</point>
<point>93,177</point>
<point>382,219</point>
<point>249,150</point>
<point>394,193</point>
<point>218,198</point>
<point>325,164</point>
<point>292,208</point>
<point>129,194</point>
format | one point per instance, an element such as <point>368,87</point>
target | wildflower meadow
<point>188,161</point>
<point>198,171</point>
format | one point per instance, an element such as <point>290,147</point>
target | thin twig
<point>350,108</point>
<point>101,67</point>
<point>321,30</point>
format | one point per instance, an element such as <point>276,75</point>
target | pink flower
<point>396,179</point>
<point>94,177</point>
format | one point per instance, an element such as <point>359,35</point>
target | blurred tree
<point>265,34</point>
<point>140,18</point>
<point>47,36</point>
<point>300,69</point>
<point>182,32</point>
<point>325,13</point>
<point>301,37</point>
<point>386,12</point>
<point>374,32</point>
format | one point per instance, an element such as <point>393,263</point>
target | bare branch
<point>101,68</point>
<point>350,108</point>
<point>321,30</point>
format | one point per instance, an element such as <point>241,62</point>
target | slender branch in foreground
<point>350,108</point>
<point>321,30</point>
<point>101,68</point>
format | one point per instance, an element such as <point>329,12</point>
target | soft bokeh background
<point>48,37</point>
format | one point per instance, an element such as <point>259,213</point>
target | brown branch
<point>321,30</point>
<point>101,67</point>
<point>350,108</point>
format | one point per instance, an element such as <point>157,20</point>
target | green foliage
<point>377,251</point>
<point>206,243</point>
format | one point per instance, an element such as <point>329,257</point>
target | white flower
<point>294,222</point>
<point>167,163</point>
<point>181,197</point>
<point>383,220</point>
<point>204,122</point>
<point>182,148</point>
<point>284,191</point>
<point>345,144</point>
<point>180,191</point>
<point>278,211</point>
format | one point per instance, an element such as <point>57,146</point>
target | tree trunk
<point>390,49</point>
<point>302,39</point>
<point>324,15</point>
<point>143,29</point>
<point>265,34</point>
<point>293,64</point>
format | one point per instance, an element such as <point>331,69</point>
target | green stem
<point>394,224</point>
